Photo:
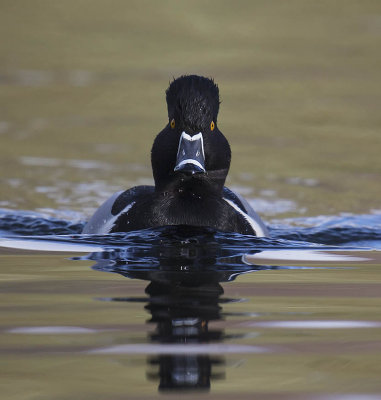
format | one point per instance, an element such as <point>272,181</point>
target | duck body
<point>190,160</point>
<point>141,207</point>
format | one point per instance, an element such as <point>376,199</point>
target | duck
<point>190,161</point>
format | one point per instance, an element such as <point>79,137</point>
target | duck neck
<point>199,185</point>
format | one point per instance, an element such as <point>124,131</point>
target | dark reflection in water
<point>184,296</point>
<point>184,269</point>
<point>182,314</point>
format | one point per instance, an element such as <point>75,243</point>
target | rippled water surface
<point>179,309</point>
<point>176,311</point>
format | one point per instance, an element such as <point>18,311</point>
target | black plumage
<point>190,160</point>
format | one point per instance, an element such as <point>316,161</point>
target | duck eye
<point>212,125</point>
<point>173,123</point>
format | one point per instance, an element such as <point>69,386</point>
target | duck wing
<point>242,206</point>
<point>109,212</point>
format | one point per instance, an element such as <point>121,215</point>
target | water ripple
<point>347,229</point>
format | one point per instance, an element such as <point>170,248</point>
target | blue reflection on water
<point>347,229</point>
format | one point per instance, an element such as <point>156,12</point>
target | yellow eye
<point>173,123</point>
<point>212,125</point>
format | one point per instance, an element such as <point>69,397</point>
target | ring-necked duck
<point>190,161</point>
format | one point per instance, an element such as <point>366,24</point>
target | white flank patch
<point>108,224</point>
<point>254,224</point>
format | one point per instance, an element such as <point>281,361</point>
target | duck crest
<point>194,100</point>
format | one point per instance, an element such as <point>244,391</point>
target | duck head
<point>191,148</point>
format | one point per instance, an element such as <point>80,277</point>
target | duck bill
<point>190,154</point>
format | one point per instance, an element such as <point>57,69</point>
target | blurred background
<point>82,96</point>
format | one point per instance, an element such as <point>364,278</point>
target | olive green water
<point>299,82</point>
<point>81,99</point>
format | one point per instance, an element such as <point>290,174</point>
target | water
<point>180,309</point>
<point>168,312</point>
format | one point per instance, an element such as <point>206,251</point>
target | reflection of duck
<point>182,301</point>
<point>190,162</point>
<point>184,296</point>
<point>182,314</point>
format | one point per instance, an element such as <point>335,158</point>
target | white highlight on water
<point>51,330</point>
<point>187,349</point>
<point>300,255</point>
<point>41,245</point>
<point>316,324</point>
